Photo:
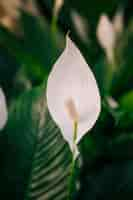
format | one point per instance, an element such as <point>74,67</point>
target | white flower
<point>3,110</point>
<point>107,33</point>
<point>72,95</point>
<point>118,22</point>
<point>106,36</point>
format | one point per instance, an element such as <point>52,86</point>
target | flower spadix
<point>72,95</point>
<point>3,110</point>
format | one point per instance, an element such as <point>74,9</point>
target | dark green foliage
<point>37,161</point>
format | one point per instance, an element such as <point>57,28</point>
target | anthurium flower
<point>3,110</point>
<point>72,95</point>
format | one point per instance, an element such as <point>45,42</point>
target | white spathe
<point>3,110</point>
<point>72,94</point>
<point>118,22</point>
<point>106,35</point>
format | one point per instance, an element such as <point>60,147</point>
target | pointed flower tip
<point>104,23</point>
<point>72,94</point>
<point>3,110</point>
<point>105,18</point>
<point>69,42</point>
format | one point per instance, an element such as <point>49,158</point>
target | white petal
<point>3,110</point>
<point>118,22</point>
<point>106,35</point>
<point>71,78</point>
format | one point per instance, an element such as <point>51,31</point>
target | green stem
<point>54,24</point>
<point>72,169</point>
<point>75,132</point>
<point>110,74</point>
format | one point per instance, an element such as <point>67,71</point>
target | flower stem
<point>111,68</point>
<point>75,132</point>
<point>72,169</point>
<point>54,24</point>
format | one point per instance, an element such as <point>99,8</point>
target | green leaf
<point>37,49</point>
<point>14,45</point>
<point>126,101</point>
<point>8,69</point>
<point>112,180</point>
<point>37,160</point>
<point>121,146</point>
<point>40,44</point>
<point>38,39</point>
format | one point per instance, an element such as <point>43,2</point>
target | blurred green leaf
<point>37,49</point>
<point>33,152</point>
<point>108,180</point>
<point>41,44</point>
<point>126,101</point>
<point>121,146</point>
<point>8,68</point>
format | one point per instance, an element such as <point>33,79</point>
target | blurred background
<point>23,23</point>
<point>32,36</point>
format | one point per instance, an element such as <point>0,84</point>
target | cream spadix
<point>3,110</point>
<point>72,94</point>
